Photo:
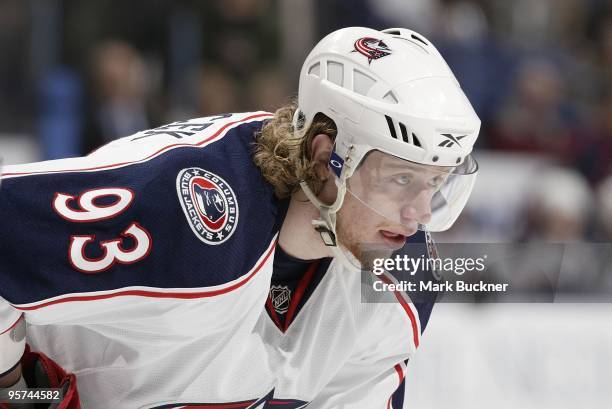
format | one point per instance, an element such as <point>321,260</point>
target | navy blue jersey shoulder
<point>35,241</point>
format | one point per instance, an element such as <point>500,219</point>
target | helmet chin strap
<point>326,224</point>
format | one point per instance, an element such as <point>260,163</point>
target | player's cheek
<point>366,226</point>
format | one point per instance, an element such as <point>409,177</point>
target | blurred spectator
<point>559,208</point>
<point>604,210</point>
<point>15,86</point>
<point>267,90</point>
<point>476,57</point>
<point>141,23</point>
<point>592,149</point>
<point>242,11</point>
<point>559,204</point>
<point>536,118</point>
<point>240,34</point>
<point>542,26</point>
<point>599,42</point>
<point>418,15</point>
<point>213,90</point>
<point>119,104</point>
<point>335,14</point>
<point>603,226</point>
<point>60,114</point>
<point>606,48</point>
<point>216,91</point>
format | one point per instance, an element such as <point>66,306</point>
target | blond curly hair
<point>285,157</point>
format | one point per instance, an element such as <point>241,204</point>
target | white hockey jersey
<point>144,268</point>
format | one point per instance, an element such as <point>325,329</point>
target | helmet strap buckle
<point>328,236</point>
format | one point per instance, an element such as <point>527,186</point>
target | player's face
<point>359,229</point>
<point>387,199</point>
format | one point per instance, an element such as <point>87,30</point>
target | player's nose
<point>418,209</point>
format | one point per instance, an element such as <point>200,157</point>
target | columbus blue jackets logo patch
<point>209,204</point>
<point>371,48</point>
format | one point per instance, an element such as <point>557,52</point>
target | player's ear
<point>321,149</point>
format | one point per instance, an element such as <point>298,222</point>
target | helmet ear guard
<point>326,224</point>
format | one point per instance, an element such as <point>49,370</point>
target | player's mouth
<point>393,240</point>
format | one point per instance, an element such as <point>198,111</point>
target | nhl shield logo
<point>209,204</point>
<point>281,298</point>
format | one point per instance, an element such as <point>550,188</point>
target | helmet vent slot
<point>390,98</point>
<point>409,138</point>
<point>418,39</point>
<point>417,45</point>
<point>404,132</point>
<point>315,69</point>
<point>335,72</point>
<point>362,83</point>
<point>391,126</point>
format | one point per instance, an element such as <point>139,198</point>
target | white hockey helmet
<point>392,92</point>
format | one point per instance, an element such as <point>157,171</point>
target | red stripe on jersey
<point>155,294</point>
<point>209,139</point>
<point>404,304</point>
<point>12,326</point>
<point>400,373</point>
<point>299,293</point>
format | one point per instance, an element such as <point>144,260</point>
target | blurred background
<point>77,74</point>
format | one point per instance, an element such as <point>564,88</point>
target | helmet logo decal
<point>336,163</point>
<point>451,140</point>
<point>372,48</point>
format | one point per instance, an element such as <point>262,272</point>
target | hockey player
<point>216,262</point>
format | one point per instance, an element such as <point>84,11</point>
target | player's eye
<point>437,181</point>
<point>402,180</point>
